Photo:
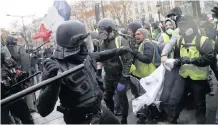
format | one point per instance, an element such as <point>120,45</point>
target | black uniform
<point>117,68</point>
<point>9,78</point>
<point>79,93</point>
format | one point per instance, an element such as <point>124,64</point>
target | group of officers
<point>126,54</point>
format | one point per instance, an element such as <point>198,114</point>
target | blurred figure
<point>48,52</point>
<point>207,28</point>
<point>156,31</point>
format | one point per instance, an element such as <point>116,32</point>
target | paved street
<point>186,117</point>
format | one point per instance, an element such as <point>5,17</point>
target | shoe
<point>123,121</point>
<point>117,113</point>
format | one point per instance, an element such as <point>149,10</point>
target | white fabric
<point>53,20</point>
<point>153,85</point>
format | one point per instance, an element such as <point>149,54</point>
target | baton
<point>24,80</point>
<point>21,94</point>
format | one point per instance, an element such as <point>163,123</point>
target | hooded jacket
<point>147,48</point>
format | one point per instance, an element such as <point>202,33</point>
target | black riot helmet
<point>11,40</point>
<point>70,36</point>
<point>107,28</point>
<point>215,12</point>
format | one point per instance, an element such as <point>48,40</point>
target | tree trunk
<point>125,16</point>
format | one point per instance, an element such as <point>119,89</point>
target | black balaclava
<point>186,23</point>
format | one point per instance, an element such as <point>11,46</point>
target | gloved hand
<point>121,87</point>
<point>135,52</point>
<point>185,60</point>
<point>164,59</point>
<point>215,12</point>
<point>10,63</point>
<point>51,67</point>
<point>123,50</point>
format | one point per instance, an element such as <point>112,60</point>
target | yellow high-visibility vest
<point>143,69</point>
<point>117,43</point>
<point>190,70</point>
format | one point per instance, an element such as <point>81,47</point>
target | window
<point>143,10</point>
<point>136,10</point>
<point>150,16</point>
<point>130,12</point>
<point>149,8</point>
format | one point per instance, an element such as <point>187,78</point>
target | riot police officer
<point>79,93</point>
<point>8,79</point>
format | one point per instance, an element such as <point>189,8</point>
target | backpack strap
<point>198,43</point>
<point>177,48</point>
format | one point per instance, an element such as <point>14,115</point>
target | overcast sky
<point>23,8</point>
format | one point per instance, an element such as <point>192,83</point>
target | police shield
<point>5,52</point>
<point>24,59</point>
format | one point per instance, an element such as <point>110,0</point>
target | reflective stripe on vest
<point>143,69</point>
<point>190,70</point>
<point>118,44</point>
<point>166,38</point>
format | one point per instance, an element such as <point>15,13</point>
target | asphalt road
<point>186,117</point>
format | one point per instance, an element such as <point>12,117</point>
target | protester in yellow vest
<point>169,26</point>
<point>166,36</point>
<point>143,54</point>
<point>195,54</point>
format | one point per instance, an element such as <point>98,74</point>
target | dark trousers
<point>110,87</point>
<point>18,109</point>
<point>198,89</point>
<point>106,117</point>
<point>178,98</point>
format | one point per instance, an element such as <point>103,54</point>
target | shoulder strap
<point>118,45</point>
<point>118,42</point>
<point>177,48</point>
<point>198,43</point>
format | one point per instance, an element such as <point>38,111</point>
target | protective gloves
<point>51,67</point>
<point>121,87</point>
<point>185,60</point>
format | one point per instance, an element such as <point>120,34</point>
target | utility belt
<point>78,114</point>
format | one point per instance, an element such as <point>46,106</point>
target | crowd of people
<point>119,56</point>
